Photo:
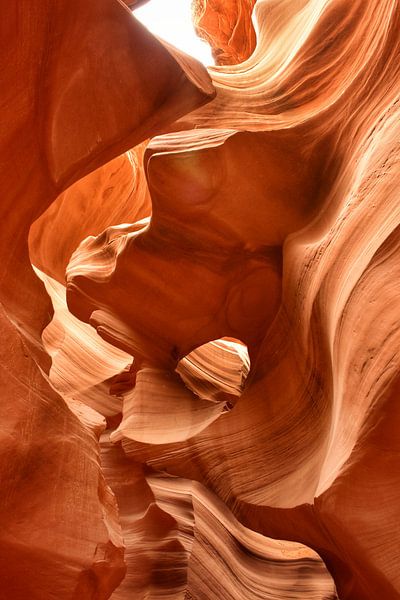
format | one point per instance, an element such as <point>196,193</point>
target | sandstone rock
<point>222,254</point>
<point>227,27</point>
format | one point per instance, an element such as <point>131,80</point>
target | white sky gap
<point>172,21</point>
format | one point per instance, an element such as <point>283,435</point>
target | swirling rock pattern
<point>227,27</point>
<point>200,373</point>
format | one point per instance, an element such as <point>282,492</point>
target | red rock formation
<point>227,27</point>
<point>274,224</point>
<point>73,96</point>
<point>114,193</point>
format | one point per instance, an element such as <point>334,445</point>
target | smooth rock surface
<point>200,374</point>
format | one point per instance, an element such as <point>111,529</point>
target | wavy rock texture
<point>209,409</point>
<point>227,27</point>
<point>60,535</point>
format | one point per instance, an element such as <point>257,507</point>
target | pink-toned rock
<point>74,94</point>
<point>228,28</point>
<point>174,215</point>
<point>60,534</point>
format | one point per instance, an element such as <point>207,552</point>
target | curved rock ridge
<point>217,388</point>
<point>52,484</point>
<point>114,193</point>
<point>215,372</point>
<point>313,63</point>
<point>184,415</point>
<point>220,366</point>
<point>49,94</point>
<point>302,212</point>
<point>61,119</point>
<point>227,28</point>
<point>70,343</point>
<point>245,564</point>
<point>174,528</point>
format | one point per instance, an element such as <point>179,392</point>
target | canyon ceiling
<point>199,303</point>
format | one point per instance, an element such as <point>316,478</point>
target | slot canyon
<point>200,302</point>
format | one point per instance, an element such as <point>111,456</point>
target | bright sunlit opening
<point>171,20</point>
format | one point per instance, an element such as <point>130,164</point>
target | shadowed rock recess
<point>199,303</point>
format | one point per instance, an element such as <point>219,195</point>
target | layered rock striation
<point>199,303</point>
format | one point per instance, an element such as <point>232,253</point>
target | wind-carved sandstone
<point>200,374</point>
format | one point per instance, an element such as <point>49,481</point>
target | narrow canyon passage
<point>200,300</point>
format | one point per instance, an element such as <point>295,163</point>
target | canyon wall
<point>200,303</point>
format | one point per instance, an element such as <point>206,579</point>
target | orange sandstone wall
<point>200,375</point>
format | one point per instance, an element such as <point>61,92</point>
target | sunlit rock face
<point>200,303</point>
<point>227,26</point>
